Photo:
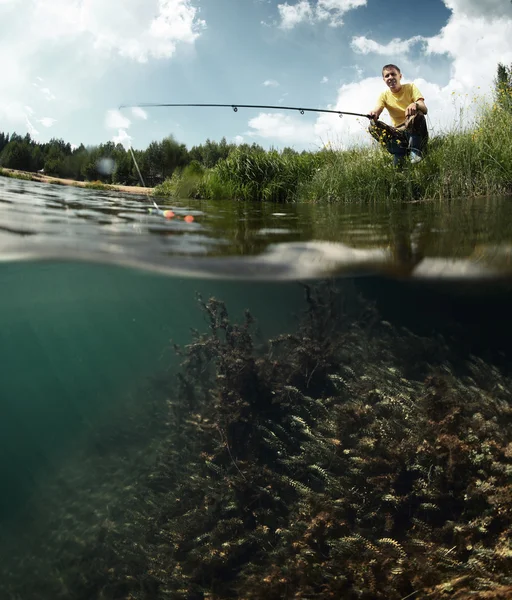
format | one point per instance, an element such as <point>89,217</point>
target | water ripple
<point>256,241</point>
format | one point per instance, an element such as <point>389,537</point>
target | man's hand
<point>374,114</point>
<point>411,110</point>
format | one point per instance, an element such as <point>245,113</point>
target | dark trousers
<point>399,141</point>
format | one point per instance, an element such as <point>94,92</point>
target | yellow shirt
<point>397,103</point>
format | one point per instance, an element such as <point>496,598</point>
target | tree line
<point>112,163</point>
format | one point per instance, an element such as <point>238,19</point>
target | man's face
<point>392,79</point>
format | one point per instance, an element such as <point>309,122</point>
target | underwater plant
<point>319,464</point>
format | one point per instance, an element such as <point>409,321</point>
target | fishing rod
<point>235,107</point>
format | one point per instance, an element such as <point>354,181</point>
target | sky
<point>67,66</point>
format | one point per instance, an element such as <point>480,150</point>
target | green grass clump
<point>97,185</point>
<point>23,176</point>
<point>184,183</point>
<point>270,176</point>
<point>244,175</point>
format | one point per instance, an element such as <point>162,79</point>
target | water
<point>353,442</point>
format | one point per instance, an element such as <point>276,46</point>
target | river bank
<point>41,178</point>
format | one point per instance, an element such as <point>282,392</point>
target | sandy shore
<point>127,189</point>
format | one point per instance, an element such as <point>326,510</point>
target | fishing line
<point>235,107</point>
<point>159,211</point>
<point>168,214</point>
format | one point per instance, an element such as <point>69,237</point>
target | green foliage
<point>271,176</point>
<point>123,170</point>
<point>97,185</point>
<point>503,87</point>
<point>16,155</point>
<point>210,153</point>
<point>4,140</point>
<point>184,183</point>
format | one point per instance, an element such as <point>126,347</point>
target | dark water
<point>354,441</point>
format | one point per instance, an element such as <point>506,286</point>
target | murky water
<point>349,437</point>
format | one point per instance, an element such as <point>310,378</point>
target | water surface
<point>449,239</point>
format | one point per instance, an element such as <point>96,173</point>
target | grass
<point>467,161</point>
<point>94,185</point>
<point>23,176</point>
<point>97,185</point>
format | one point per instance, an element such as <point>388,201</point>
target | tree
<point>123,171</point>
<point>503,87</point>
<point>4,140</point>
<point>17,155</point>
<point>54,162</point>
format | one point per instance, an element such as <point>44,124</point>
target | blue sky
<point>68,65</point>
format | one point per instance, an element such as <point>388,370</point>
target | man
<point>406,107</point>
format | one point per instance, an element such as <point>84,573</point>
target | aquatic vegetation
<point>347,459</point>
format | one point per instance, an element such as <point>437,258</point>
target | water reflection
<point>453,238</point>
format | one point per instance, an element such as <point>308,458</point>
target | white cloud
<point>47,94</point>
<point>123,138</point>
<point>311,11</point>
<point>333,10</point>
<point>30,128</point>
<point>474,63</point>
<point>44,91</point>
<point>294,14</point>
<point>324,79</point>
<point>363,45</point>
<point>238,139</point>
<point>488,9</point>
<point>139,113</point>
<point>47,121</point>
<point>348,130</point>
<point>58,49</point>
<point>128,31</point>
<point>115,120</point>
<point>270,83</point>
<point>283,127</point>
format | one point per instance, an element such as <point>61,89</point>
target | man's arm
<point>416,107</point>
<point>376,112</point>
<point>422,107</point>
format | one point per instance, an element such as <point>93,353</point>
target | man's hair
<point>387,67</point>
